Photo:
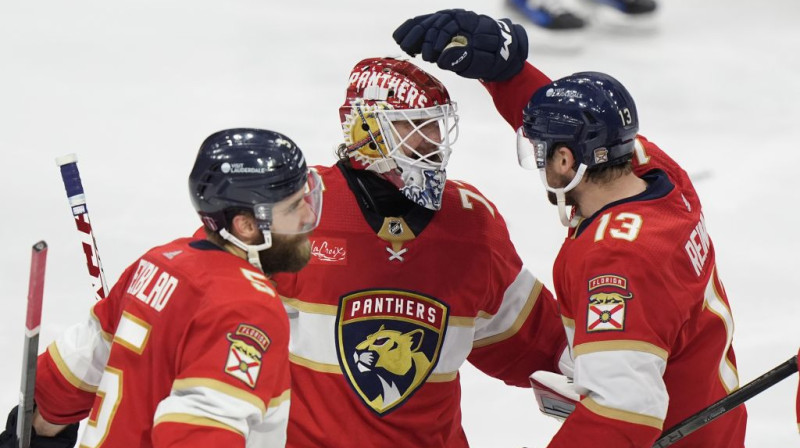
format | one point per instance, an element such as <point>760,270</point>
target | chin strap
<point>561,199</point>
<point>251,250</point>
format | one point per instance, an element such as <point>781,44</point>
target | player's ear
<point>562,160</point>
<point>244,227</point>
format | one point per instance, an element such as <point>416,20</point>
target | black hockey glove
<point>474,46</point>
<point>64,439</point>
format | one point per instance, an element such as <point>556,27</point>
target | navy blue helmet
<point>239,168</point>
<point>591,113</point>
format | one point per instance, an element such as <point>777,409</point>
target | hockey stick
<point>77,201</point>
<point>31,347</point>
<point>726,404</point>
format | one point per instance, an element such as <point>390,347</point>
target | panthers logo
<point>396,360</point>
<point>388,344</point>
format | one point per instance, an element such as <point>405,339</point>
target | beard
<point>568,198</point>
<point>561,182</point>
<point>289,253</point>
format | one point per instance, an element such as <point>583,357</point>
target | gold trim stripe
<point>107,336</point>
<point>280,399</point>
<point>625,416</point>
<point>523,316</point>
<point>196,421</point>
<point>219,386</point>
<point>442,377</point>
<point>314,365</point>
<point>567,322</point>
<point>459,321</point>
<point>610,346</point>
<point>73,379</point>
<point>335,369</point>
<point>306,307</point>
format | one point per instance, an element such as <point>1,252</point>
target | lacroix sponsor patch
<point>332,251</point>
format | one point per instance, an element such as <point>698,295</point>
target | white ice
<point>133,87</point>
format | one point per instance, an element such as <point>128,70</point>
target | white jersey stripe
<point>313,328</point>
<point>624,380</point>
<point>204,399</point>
<point>518,301</point>
<point>86,352</point>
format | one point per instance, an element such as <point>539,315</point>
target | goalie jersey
<point>189,349</point>
<point>388,309</point>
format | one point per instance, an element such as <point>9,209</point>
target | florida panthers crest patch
<point>248,344</point>
<point>388,342</point>
<point>608,296</point>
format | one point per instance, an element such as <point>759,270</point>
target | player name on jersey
<point>156,296</point>
<point>408,306</point>
<point>698,245</point>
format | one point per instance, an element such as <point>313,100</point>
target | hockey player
<point>190,349</point>
<point>645,312</point>
<point>411,275</point>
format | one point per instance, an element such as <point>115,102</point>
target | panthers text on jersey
<point>647,318</point>
<point>388,309</point>
<point>190,349</point>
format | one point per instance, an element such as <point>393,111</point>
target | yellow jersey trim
<point>521,318</point>
<point>625,416</point>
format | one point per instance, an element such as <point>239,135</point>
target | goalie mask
<point>399,123</point>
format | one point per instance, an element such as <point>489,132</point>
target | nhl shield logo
<point>395,227</point>
<point>388,342</point>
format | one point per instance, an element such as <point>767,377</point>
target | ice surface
<point>133,87</point>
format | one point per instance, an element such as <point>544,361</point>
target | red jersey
<point>189,349</point>
<point>647,318</point>
<point>388,310</point>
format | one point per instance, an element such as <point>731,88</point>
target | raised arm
<point>477,47</point>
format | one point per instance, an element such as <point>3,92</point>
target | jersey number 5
<point>132,333</point>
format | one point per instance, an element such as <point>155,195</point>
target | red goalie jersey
<point>189,349</point>
<point>383,319</point>
<point>646,315</point>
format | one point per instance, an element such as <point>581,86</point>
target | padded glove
<point>64,439</point>
<point>472,45</point>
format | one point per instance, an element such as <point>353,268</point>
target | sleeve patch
<point>608,296</point>
<point>247,346</point>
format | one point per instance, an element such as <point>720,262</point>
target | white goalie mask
<point>399,123</point>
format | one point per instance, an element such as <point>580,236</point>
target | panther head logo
<point>388,343</point>
<point>395,360</point>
